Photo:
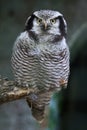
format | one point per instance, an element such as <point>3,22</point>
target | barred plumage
<point>40,57</point>
<point>40,66</point>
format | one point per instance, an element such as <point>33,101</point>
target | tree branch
<point>10,92</point>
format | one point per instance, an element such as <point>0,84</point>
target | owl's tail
<point>39,107</point>
<point>36,109</point>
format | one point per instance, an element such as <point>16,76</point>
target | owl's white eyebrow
<point>36,16</point>
<point>54,18</point>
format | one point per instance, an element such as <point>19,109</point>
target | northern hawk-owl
<point>40,57</point>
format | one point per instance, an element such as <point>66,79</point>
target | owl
<point>40,57</point>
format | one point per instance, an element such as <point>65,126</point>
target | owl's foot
<point>31,99</point>
<point>33,96</point>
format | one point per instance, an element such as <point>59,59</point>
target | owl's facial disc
<point>42,24</point>
<point>46,22</point>
<point>48,26</point>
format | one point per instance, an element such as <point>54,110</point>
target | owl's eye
<point>53,21</point>
<point>39,21</point>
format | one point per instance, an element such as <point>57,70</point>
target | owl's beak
<point>45,25</point>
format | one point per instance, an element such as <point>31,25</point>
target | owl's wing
<point>20,58</point>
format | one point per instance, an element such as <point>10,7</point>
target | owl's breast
<point>50,67</point>
<point>41,66</point>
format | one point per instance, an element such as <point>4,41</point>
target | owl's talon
<point>33,96</point>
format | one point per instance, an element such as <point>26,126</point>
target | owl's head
<point>46,22</point>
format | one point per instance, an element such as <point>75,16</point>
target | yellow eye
<point>39,21</point>
<point>53,21</point>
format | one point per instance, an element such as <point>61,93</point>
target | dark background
<point>13,14</point>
